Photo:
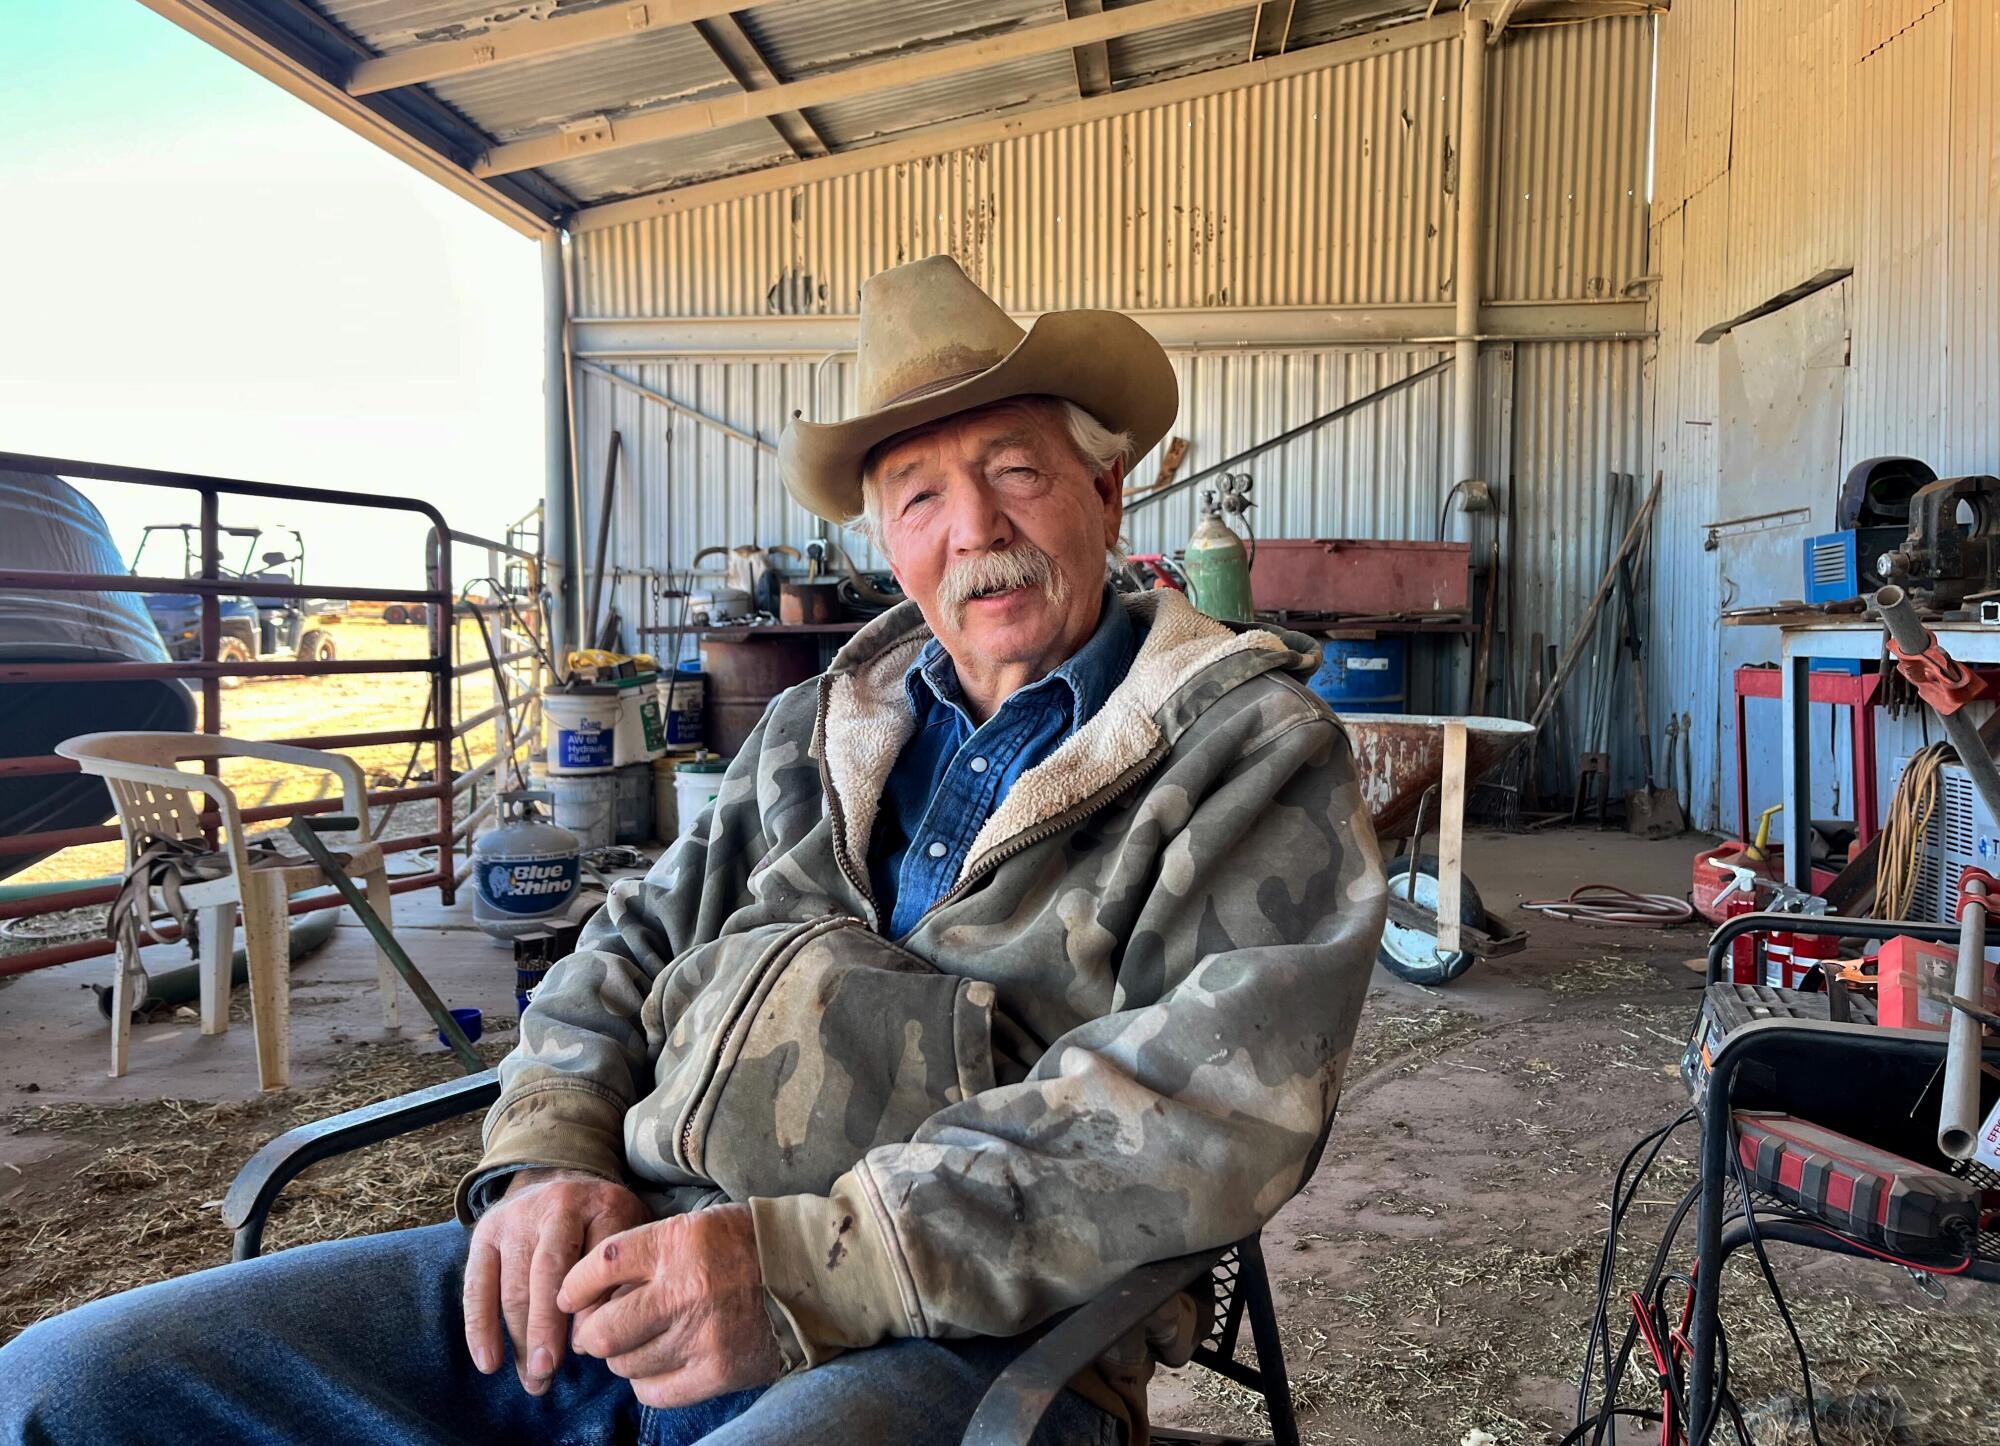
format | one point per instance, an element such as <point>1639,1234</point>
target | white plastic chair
<point>157,799</point>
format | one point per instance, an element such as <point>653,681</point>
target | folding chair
<point>1014,1404</point>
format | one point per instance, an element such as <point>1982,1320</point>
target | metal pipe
<point>557,512</point>
<point>1469,273</point>
<point>1900,619</point>
<point>33,579</point>
<point>679,409</point>
<point>591,621</point>
<point>1346,409</point>
<point>1958,1112</point>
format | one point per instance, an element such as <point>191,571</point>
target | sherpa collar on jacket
<point>866,717</point>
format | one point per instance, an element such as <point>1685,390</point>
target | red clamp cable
<point>1991,899</point>
<point>1939,678</point>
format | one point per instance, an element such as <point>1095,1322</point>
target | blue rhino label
<point>530,886</point>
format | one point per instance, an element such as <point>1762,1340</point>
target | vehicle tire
<point>1411,954</point>
<point>418,614</point>
<point>317,647</point>
<point>233,650</point>
<point>394,615</point>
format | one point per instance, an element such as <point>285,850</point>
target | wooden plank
<point>1451,837</point>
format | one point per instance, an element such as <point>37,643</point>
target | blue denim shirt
<point>951,775</point>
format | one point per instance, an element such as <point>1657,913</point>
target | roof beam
<point>1093,61</point>
<point>1032,120</point>
<point>599,343</point>
<point>1502,14</point>
<point>1273,30</point>
<point>525,40</point>
<point>698,117</point>
<point>750,69</point>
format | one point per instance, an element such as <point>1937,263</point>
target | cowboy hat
<point>933,344</point>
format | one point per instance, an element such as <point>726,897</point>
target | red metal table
<point>1843,690</point>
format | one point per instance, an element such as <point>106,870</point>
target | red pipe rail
<point>439,729</point>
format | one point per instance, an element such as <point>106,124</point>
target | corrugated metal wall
<point>1331,188</point>
<point>1798,137</point>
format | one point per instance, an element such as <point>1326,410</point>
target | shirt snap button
<point>937,851</point>
<point>978,765</point>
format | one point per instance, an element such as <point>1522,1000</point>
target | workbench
<point>1850,639</point>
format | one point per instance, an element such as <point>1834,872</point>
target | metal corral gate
<point>513,597</point>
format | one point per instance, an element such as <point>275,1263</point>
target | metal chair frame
<point>1015,1403</point>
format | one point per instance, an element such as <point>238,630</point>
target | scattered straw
<point>141,1204</point>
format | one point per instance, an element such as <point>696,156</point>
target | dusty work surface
<point>1433,1279</point>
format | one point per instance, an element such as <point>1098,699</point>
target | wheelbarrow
<point>1400,758</point>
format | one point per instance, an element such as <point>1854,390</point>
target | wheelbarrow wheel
<point>1412,953</point>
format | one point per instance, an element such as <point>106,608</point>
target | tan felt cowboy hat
<point>933,344</point>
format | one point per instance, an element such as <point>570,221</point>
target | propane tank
<point>1217,565</point>
<point>524,872</point>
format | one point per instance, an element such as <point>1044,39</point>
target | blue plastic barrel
<point>1364,677</point>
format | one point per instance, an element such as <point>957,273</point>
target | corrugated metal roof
<point>807,39</point>
<point>659,68</point>
<point>1035,80</point>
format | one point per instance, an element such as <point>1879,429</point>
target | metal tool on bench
<point>1946,561</point>
<point>307,831</point>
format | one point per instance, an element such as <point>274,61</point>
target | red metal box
<point>1365,578</point>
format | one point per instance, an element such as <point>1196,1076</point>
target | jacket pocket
<point>805,1047</point>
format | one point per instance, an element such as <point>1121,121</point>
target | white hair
<point>1095,445</point>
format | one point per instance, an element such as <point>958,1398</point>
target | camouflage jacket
<point>1118,1038</point>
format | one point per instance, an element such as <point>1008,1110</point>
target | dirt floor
<point>1433,1280</point>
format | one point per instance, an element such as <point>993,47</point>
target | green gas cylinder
<point>1218,567</point>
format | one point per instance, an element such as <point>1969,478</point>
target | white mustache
<point>1021,565</point>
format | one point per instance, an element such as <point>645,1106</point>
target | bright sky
<point>198,272</point>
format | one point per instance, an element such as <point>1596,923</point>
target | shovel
<point>1651,812</point>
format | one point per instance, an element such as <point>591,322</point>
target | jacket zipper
<point>858,880</point>
<point>1049,828</point>
<point>812,930</point>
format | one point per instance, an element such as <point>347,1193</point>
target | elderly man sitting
<point>1023,947</point>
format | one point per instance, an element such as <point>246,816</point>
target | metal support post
<point>558,514</point>
<point>1471,260</point>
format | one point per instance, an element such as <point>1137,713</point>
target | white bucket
<point>695,788</point>
<point>582,729</point>
<point>681,697</point>
<point>586,805</point>
<point>666,816</point>
<point>640,737</point>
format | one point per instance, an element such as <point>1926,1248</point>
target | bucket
<point>582,728</point>
<point>696,783</point>
<point>665,816</point>
<point>1363,677</point>
<point>632,809</point>
<point>683,696</point>
<point>640,738</point>
<point>586,805</point>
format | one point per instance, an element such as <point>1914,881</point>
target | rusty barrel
<point>743,678</point>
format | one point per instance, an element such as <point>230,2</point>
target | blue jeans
<point>362,1341</point>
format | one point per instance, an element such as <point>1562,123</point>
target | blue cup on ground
<point>469,1020</point>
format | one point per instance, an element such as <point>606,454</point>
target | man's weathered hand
<point>677,1307</point>
<point>521,1250</point>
